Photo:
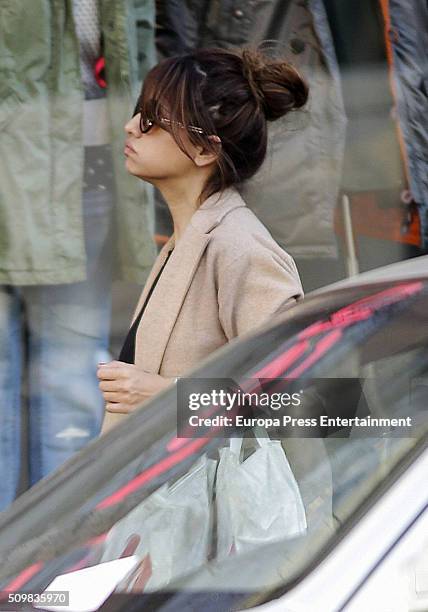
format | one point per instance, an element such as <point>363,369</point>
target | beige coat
<point>225,277</point>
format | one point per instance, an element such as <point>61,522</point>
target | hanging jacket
<point>409,40</point>
<point>41,140</point>
<point>295,191</point>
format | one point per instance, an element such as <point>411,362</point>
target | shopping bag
<point>170,530</point>
<point>257,500</point>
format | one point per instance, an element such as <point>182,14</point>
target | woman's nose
<point>133,126</point>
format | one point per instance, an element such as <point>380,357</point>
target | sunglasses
<point>146,124</point>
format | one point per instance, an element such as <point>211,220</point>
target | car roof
<point>417,267</point>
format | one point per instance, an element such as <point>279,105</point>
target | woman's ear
<point>204,156</point>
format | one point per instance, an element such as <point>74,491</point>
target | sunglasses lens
<point>145,124</point>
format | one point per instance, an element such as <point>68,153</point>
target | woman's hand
<point>125,387</point>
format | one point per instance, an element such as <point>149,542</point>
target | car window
<point>142,491</point>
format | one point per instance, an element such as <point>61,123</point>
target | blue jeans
<point>52,337</point>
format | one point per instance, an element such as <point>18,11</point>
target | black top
<point>127,354</point>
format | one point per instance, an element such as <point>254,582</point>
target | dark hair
<point>231,93</point>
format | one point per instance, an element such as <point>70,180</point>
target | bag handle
<point>235,445</point>
<point>261,436</point>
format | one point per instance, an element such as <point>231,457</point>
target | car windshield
<point>143,493</point>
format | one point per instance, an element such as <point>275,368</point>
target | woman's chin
<point>135,172</point>
<point>130,166</point>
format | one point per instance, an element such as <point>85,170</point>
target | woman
<point>199,130</point>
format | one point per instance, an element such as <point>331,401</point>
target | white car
<point>112,528</point>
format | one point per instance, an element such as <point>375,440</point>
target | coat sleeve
<point>253,287</point>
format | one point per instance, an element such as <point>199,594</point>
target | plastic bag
<point>258,500</point>
<point>172,528</point>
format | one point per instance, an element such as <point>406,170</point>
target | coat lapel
<point>153,274</point>
<point>167,298</point>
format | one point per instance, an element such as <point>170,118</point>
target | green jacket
<point>41,149</point>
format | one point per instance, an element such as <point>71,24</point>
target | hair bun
<point>275,83</point>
